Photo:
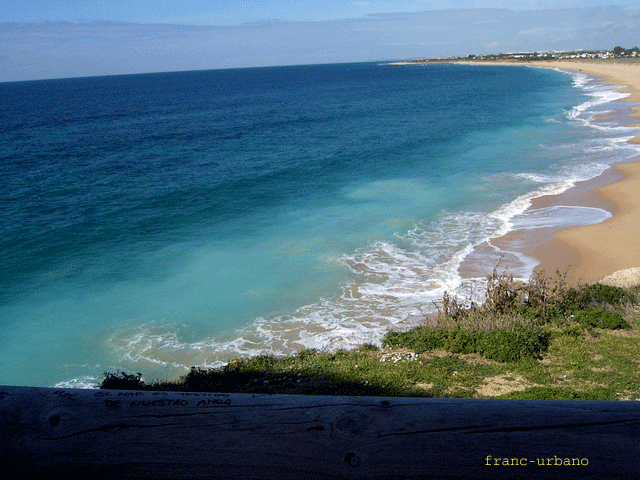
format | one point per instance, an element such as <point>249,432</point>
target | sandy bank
<point>614,244</point>
<point>612,248</point>
<point>596,251</point>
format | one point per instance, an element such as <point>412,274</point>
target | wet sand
<point>589,252</point>
<point>614,244</point>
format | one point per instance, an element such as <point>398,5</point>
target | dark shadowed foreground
<point>141,434</point>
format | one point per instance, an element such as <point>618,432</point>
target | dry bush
<point>508,303</point>
<point>503,295</point>
<point>451,309</point>
<point>547,296</point>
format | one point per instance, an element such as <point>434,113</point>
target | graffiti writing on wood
<point>179,403</point>
<point>159,399</point>
<point>213,401</point>
<point>159,403</point>
<point>63,394</point>
<point>116,393</point>
<point>108,393</point>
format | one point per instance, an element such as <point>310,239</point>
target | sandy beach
<point>611,248</point>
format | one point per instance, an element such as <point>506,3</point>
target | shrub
<point>451,308</point>
<point>500,345</point>
<point>199,379</point>
<point>122,381</point>
<point>307,354</point>
<point>601,318</point>
<point>547,297</point>
<point>607,294</point>
<point>511,346</point>
<point>572,330</point>
<point>503,294</point>
<point>418,339</point>
<point>261,363</point>
<point>458,341</point>
<point>368,347</point>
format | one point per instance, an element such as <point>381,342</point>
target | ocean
<point>150,223</point>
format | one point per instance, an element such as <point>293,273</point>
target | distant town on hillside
<point>616,52</point>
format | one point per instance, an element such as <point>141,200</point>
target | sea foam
<point>185,237</point>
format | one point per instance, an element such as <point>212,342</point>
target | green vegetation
<point>620,51</point>
<point>499,345</point>
<point>543,339</point>
<point>122,381</point>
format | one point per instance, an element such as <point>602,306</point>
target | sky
<point>42,39</point>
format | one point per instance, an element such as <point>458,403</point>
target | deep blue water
<point>154,222</point>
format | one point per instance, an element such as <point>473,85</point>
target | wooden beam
<point>128,434</point>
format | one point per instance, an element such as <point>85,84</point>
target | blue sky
<point>235,12</point>
<point>68,38</point>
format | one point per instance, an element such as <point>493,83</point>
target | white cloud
<point>62,49</point>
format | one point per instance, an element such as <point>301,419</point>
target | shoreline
<point>622,75</point>
<point>602,249</point>
<point>591,252</point>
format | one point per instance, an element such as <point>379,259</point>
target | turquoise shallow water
<point>154,222</point>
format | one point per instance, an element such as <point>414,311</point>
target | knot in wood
<point>54,420</point>
<point>353,422</point>
<point>352,459</point>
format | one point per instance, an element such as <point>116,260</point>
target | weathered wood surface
<point>123,434</point>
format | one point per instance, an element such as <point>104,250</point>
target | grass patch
<point>559,393</point>
<point>500,345</point>
<point>538,340</point>
<point>601,318</point>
